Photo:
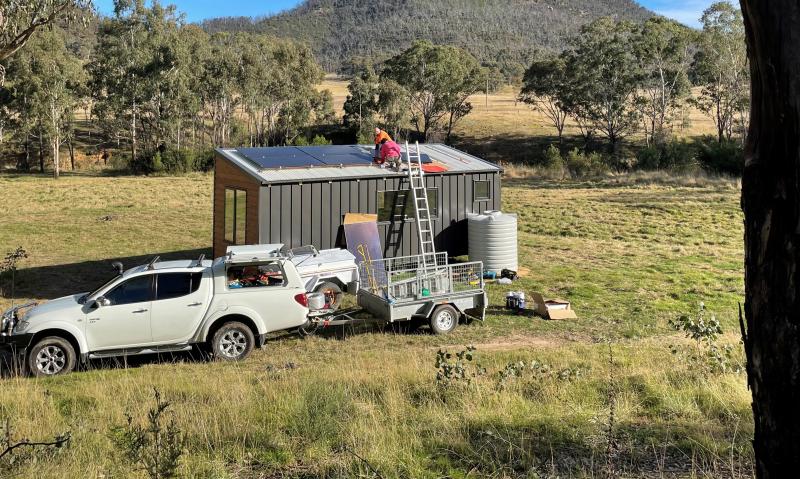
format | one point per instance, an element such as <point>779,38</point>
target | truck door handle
<point>140,311</point>
<point>194,304</point>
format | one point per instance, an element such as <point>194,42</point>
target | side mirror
<point>102,301</point>
<point>118,266</point>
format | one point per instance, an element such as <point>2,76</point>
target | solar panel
<point>339,154</point>
<point>312,156</point>
<point>424,157</point>
<point>280,157</point>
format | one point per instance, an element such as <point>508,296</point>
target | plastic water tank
<point>493,240</point>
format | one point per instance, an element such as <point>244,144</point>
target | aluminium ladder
<point>419,195</point>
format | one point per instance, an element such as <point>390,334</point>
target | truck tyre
<point>234,341</point>
<point>333,294</point>
<point>51,356</point>
<point>444,319</point>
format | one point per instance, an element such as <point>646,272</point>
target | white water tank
<point>493,240</point>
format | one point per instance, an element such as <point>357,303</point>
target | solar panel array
<point>279,157</point>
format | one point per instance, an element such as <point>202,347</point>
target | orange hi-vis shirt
<point>382,136</point>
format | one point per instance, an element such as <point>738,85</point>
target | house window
<point>235,215</point>
<point>399,205</point>
<point>482,190</point>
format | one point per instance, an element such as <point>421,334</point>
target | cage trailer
<point>413,288</point>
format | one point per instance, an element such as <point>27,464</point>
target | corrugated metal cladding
<point>312,212</point>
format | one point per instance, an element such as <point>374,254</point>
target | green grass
<point>629,256</point>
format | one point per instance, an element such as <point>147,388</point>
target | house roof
<point>336,162</point>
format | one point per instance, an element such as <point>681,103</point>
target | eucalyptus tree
<point>46,83</point>
<point>439,80</point>
<point>117,73</point>
<point>20,19</point>
<point>221,82</point>
<point>771,204</point>
<point>279,88</point>
<point>604,78</point>
<point>664,53</point>
<point>721,67</point>
<point>361,105</point>
<point>545,87</point>
<point>393,106</point>
<point>141,77</point>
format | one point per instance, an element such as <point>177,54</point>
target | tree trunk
<point>771,204</point>
<point>133,134</point>
<point>41,152</point>
<point>71,153</point>
<point>26,158</point>
<point>56,156</point>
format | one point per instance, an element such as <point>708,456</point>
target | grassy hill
<point>350,402</point>
<point>496,31</point>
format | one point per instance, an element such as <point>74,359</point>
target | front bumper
<point>16,342</point>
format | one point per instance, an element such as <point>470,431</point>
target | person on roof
<point>390,153</point>
<point>380,135</point>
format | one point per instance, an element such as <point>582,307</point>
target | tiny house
<point>298,195</point>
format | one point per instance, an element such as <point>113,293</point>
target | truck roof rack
<point>260,252</point>
<point>200,260</point>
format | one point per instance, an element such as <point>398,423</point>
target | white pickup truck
<point>229,305</point>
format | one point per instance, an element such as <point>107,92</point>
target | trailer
<point>413,288</point>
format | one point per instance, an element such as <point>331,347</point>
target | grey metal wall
<point>312,213</point>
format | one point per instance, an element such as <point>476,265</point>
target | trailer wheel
<point>333,294</point>
<point>51,356</point>
<point>444,319</point>
<point>234,341</point>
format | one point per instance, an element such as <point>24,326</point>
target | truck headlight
<point>5,323</point>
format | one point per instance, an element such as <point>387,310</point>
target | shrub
<point>449,372</point>
<point>536,370</point>
<point>581,164</point>
<point>204,160</point>
<point>707,353</point>
<point>320,140</point>
<point>726,157</point>
<point>155,448</point>
<point>671,154</point>
<point>649,158</point>
<point>302,140</point>
<point>175,162</point>
<point>365,137</point>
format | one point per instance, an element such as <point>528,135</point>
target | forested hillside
<point>495,31</point>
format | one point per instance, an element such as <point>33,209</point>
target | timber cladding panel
<point>228,175</point>
<point>305,213</point>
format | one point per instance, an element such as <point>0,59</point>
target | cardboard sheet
<point>552,308</point>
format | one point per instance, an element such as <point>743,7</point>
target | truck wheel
<point>233,342</point>
<point>444,319</point>
<point>333,294</point>
<point>51,356</point>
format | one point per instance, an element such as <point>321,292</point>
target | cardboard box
<point>552,308</point>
